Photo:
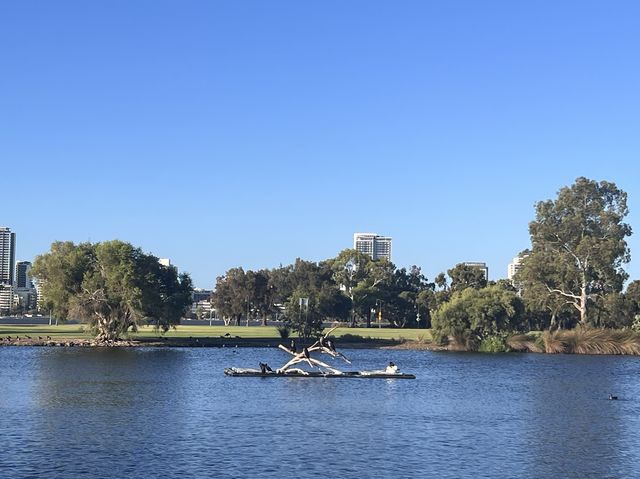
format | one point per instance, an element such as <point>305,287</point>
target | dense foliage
<point>475,314</point>
<point>572,274</point>
<point>112,286</point>
<point>578,250</point>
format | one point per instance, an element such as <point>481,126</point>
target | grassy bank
<point>77,332</point>
<point>576,341</point>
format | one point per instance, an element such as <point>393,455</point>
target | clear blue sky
<point>249,133</point>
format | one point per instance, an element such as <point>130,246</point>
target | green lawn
<point>76,331</point>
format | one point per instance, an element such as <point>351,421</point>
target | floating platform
<point>316,374</point>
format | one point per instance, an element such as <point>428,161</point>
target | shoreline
<point>252,342</point>
<point>195,342</point>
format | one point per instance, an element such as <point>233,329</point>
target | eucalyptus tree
<point>263,295</point>
<point>578,244</point>
<point>112,286</point>
<point>465,276</point>
<point>473,315</point>
<point>232,295</point>
<point>350,271</point>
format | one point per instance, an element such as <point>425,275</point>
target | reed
<point>526,343</point>
<point>592,341</point>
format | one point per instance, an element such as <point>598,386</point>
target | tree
<point>112,286</point>
<point>232,295</point>
<point>303,314</point>
<point>465,276</point>
<point>578,244</point>
<point>476,314</point>
<point>350,271</point>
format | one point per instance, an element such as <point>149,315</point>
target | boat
<point>325,346</point>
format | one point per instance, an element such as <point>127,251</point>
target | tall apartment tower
<point>515,265</point>
<point>23,277</point>
<point>7,255</point>
<point>372,244</point>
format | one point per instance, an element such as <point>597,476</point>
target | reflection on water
<point>172,413</point>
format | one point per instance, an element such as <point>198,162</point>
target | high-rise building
<point>7,256</point>
<point>480,266</point>
<point>6,298</point>
<point>372,244</point>
<point>515,265</point>
<point>23,278</point>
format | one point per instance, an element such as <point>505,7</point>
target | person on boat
<point>392,368</point>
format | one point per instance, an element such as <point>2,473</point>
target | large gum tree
<point>578,244</point>
<point>112,286</point>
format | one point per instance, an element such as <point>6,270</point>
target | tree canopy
<point>473,315</point>
<point>112,286</point>
<point>578,247</point>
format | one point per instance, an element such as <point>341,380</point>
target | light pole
<point>379,303</point>
<point>303,302</point>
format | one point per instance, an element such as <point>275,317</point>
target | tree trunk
<point>583,304</point>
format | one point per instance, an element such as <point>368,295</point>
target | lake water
<point>134,413</point>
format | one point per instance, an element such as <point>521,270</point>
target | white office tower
<point>7,256</point>
<point>515,265</point>
<point>372,244</point>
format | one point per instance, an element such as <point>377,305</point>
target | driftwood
<point>324,345</point>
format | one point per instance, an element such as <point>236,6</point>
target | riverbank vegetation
<point>571,276</point>
<point>112,286</point>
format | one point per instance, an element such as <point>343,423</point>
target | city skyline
<point>251,135</point>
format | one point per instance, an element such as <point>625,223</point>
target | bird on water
<point>612,397</point>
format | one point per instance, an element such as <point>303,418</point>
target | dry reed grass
<point>524,343</point>
<point>592,341</point>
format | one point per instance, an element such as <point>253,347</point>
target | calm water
<point>132,413</point>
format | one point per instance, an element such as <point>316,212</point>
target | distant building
<point>23,278</point>
<point>7,299</point>
<point>200,294</point>
<point>373,245</point>
<point>516,265</point>
<point>201,302</point>
<point>164,261</point>
<point>39,295</point>
<point>478,265</point>
<point>27,298</point>
<point>7,256</point>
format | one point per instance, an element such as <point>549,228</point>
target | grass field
<point>75,331</point>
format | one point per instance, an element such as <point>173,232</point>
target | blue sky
<point>223,134</point>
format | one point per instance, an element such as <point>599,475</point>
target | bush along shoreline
<point>581,340</point>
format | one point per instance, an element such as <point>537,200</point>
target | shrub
<point>493,344</point>
<point>284,331</point>
<point>440,337</point>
